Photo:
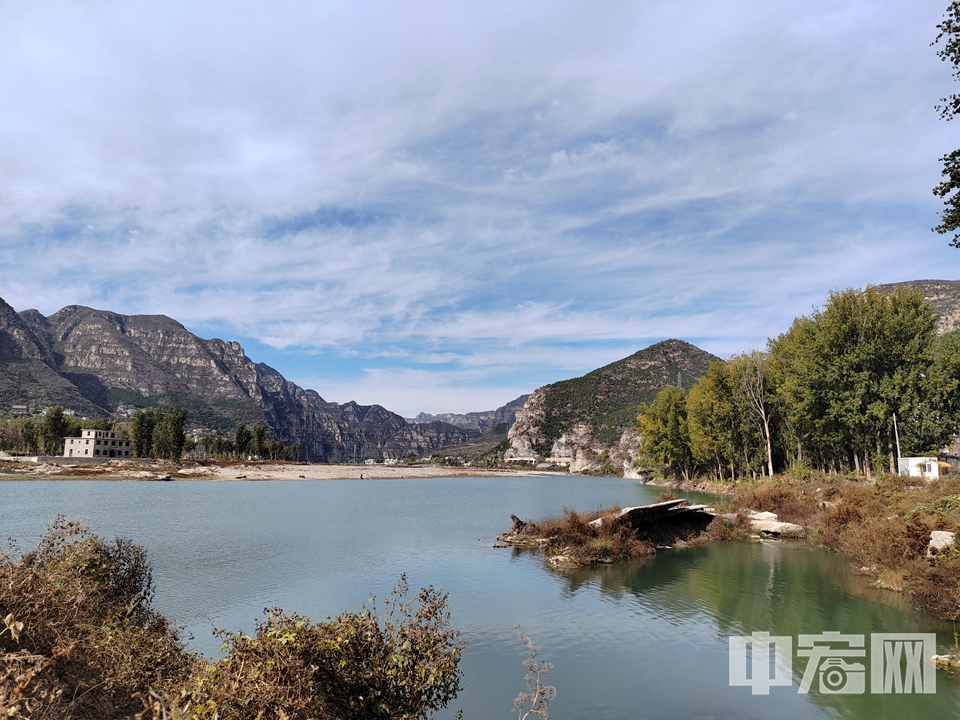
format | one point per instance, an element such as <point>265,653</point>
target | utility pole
<point>896,434</point>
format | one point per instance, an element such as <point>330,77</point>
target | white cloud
<point>434,184</point>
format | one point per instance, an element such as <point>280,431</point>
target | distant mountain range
<point>101,363</point>
<point>481,421</point>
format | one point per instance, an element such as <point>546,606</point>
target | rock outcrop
<point>588,422</point>
<point>944,295</point>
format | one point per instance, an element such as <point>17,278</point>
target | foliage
<point>246,442</point>
<point>44,434</point>
<point>53,427</point>
<point>885,526</point>
<point>81,636</point>
<point>664,433</point>
<point>603,536</point>
<point>158,432</point>
<point>824,396</point>
<point>79,640</point>
<point>949,31</point>
<point>842,373</point>
<point>404,664</point>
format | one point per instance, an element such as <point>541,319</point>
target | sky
<point>439,206</point>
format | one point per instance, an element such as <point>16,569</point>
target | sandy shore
<point>234,470</point>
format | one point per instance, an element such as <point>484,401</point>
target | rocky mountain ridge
<point>97,362</point>
<point>481,421</point>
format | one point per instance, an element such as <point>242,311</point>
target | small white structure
<point>921,467</point>
<point>96,443</point>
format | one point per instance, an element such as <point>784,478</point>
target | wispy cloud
<point>422,190</point>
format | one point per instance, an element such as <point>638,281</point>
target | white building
<point>96,444</point>
<point>921,467</point>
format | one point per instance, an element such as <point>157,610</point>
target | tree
<point>843,372</point>
<point>53,427</point>
<point>664,434</point>
<point>158,433</point>
<point>141,432</point>
<point>168,438</point>
<point>258,441</point>
<point>752,388</point>
<point>714,425</point>
<point>949,31</point>
<point>241,439</point>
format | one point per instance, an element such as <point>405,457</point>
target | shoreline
<point>234,470</point>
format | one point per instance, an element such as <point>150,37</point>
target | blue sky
<point>439,206</point>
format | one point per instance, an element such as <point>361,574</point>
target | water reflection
<point>784,588</point>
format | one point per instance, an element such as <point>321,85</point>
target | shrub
<point>358,665</point>
<point>80,636</point>
<point>79,640</point>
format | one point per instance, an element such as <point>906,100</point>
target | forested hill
<point>601,405</point>
<point>99,363</point>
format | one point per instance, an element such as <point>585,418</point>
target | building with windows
<point>96,444</point>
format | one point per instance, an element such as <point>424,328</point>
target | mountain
<point>99,363</point>
<point>481,421</point>
<point>589,421</point>
<point>944,295</point>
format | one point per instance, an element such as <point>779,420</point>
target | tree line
<point>840,391</point>
<point>153,433</point>
<point>252,443</point>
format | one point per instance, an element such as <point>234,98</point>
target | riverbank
<point>234,470</point>
<point>886,527</point>
<point>897,533</point>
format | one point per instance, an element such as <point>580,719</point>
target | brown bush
<point>80,636</point>
<point>80,641</point>
<point>358,665</point>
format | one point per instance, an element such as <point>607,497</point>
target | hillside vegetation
<point>608,399</point>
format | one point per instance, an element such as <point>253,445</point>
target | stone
<point>939,540</point>
<point>773,527</point>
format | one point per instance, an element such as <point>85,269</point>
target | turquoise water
<point>643,640</point>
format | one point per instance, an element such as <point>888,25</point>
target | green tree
<point>141,432</point>
<point>52,428</point>
<point>664,434</point>
<point>949,32</point>
<point>168,437</point>
<point>843,372</point>
<point>712,422</point>
<point>241,439</point>
<point>259,439</point>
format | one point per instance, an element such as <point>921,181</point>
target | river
<point>641,640</point>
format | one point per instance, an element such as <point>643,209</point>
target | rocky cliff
<point>588,422</point>
<point>98,362</point>
<point>944,295</point>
